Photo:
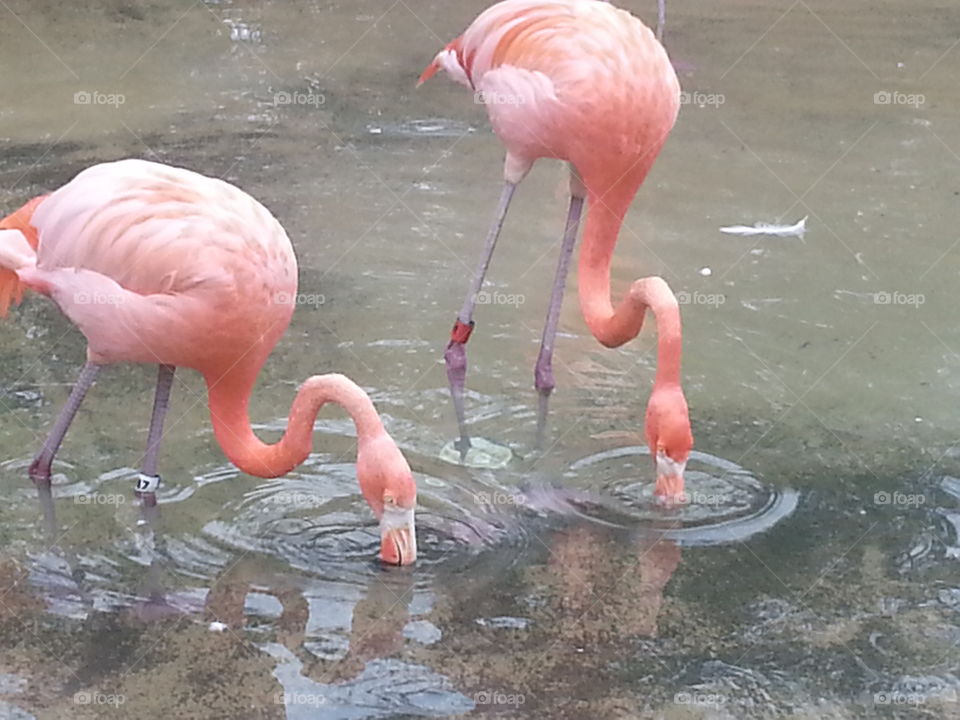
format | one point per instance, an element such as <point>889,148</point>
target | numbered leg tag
<point>148,483</point>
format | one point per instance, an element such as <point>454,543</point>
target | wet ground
<point>822,375</point>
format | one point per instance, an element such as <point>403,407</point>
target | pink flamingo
<point>587,83</point>
<point>156,264</point>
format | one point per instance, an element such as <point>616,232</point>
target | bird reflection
<point>590,571</point>
<point>581,594</point>
<point>376,628</point>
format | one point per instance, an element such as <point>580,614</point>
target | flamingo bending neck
<point>614,327</point>
<point>229,411</point>
<point>667,422</point>
<point>384,476</point>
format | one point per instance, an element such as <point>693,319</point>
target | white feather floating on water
<point>761,228</point>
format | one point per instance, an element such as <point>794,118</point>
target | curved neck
<point>607,208</point>
<point>605,213</point>
<point>653,292</point>
<point>229,410</point>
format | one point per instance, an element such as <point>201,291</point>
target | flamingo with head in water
<point>156,264</point>
<point>588,83</point>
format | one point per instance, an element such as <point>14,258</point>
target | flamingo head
<point>670,440</point>
<point>388,487</point>
<point>452,61</point>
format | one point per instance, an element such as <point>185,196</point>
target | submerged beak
<point>669,490</point>
<point>398,536</point>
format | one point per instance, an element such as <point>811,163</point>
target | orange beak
<point>428,73</point>
<point>398,536</point>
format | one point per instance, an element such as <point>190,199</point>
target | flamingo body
<point>156,264</point>
<point>567,80</point>
<point>163,265</point>
<point>588,83</point>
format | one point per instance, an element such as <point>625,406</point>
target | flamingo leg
<point>543,372</point>
<point>149,480</point>
<point>661,18</point>
<point>455,356</point>
<point>40,467</point>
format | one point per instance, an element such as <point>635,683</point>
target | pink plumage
<point>156,264</point>
<point>183,266</point>
<point>588,83</point>
<point>578,80</point>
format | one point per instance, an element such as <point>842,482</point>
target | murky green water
<point>822,370</point>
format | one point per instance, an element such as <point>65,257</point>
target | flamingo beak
<point>670,490</point>
<point>428,73</point>
<point>398,536</point>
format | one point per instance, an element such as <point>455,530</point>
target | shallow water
<point>817,576</point>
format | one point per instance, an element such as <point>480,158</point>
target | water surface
<point>822,369</point>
